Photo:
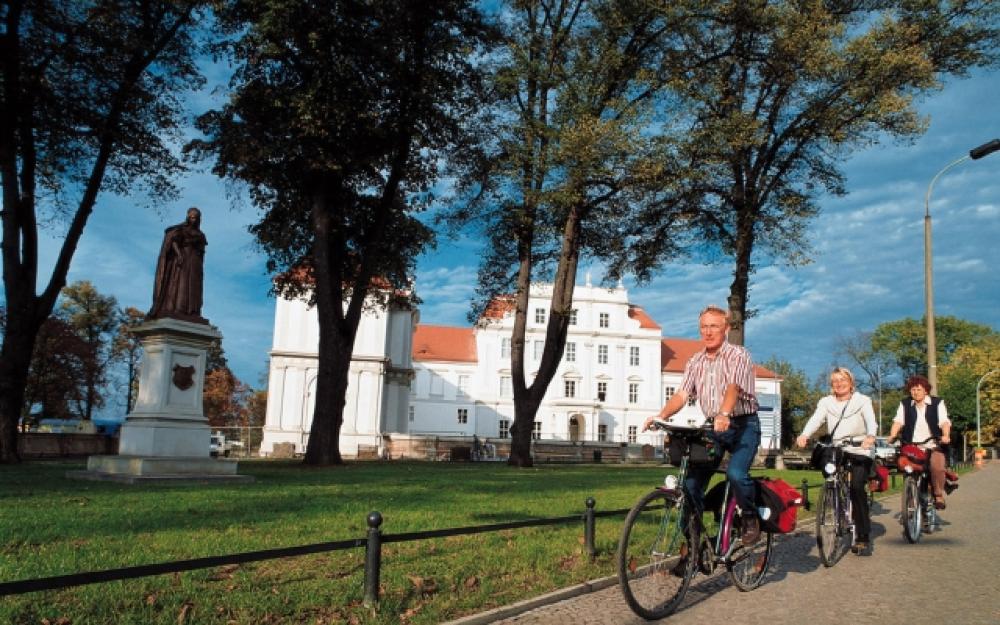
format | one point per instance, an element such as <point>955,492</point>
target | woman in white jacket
<point>849,414</point>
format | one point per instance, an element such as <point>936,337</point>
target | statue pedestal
<point>166,436</point>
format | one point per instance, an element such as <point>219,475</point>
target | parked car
<point>219,446</point>
<point>886,452</point>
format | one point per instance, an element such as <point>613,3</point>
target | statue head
<point>193,217</point>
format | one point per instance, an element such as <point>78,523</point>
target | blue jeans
<point>741,440</point>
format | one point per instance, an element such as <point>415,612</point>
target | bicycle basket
<point>913,457</point>
<point>703,451</point>
<point>823,453</point>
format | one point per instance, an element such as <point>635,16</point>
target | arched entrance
<point>576,427</point>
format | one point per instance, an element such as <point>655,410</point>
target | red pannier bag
<point>879,483</point>
<point>778,505</point>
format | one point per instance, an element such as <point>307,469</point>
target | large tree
<point>905,341</point>
<point>971,365</point>
<point>93,317</point>
<point>776,95</point>
<point>127,350</point>
<point>569,161</point>
<point>56,385</point>
<point>339,115</point>
<point>89,103</point>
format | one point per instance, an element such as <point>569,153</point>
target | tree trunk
<point>15,361</point>
<point>739,289</point>
<point>331,395</point>
<point>528,399</point>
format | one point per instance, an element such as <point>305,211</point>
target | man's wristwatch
<point>726,414</point>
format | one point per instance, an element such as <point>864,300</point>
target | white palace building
<point>410,381</point>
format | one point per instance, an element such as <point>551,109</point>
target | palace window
<point>602,432</point>
<point>604,320</point>
<point>570,352</point>
<point>602,391</point>
<point>504,429</point>
<point>536,431</point>
<point>633,356</point>
<point>633,432</point>
<point>569,388</point>
<point>463,415</point>
<point>539,315</point>
<point>602,354</point>
<point>506,390</point>
<point>633,393</point>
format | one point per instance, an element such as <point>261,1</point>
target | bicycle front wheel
<point>656,555</point>
<point>747,564</point>
<point>912,521</point>
<point>829,530</point>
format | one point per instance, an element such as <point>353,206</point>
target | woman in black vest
<point>919,418</point>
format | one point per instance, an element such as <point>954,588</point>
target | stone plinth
<point>166,436</point>
<point>135,469</point>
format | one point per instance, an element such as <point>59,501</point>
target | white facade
<point>379,379</point>
<point>426,380</point>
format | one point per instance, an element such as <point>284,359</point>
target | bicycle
<point>664,542</point>
<point>835,529</point>
<point>918,514</point>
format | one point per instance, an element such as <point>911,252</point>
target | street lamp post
<point>979,440</point>
<point>974,154</point>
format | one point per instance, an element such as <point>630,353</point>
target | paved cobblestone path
<point>951,577</point>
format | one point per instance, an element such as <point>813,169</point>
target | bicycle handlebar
<point>661,424</point>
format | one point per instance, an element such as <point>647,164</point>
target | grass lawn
<point>50,525</point>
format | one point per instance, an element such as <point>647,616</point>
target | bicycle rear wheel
<point>911,512</point>
<point>830,531</point>
<point>656,556</point>
<point>748,564</point>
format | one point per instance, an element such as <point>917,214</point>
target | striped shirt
<point>707,378</point>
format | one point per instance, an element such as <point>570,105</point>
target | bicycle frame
<point>665,541</point>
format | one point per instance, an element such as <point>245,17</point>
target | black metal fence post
<point>588,528</point>
<point>373,559</point>
<point>805,494</point>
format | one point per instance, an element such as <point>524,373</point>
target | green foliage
<point>90,102</point>
<point>93,317</point>
<point>568,158</point>
<point>55,385</point>
<point>905,341</point>
<point>338,117</point>
<point>971,365</point>
<point>769,96</point>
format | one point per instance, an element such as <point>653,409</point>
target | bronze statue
<point>177,291</point>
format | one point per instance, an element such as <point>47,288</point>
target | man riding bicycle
<point>721,378</point>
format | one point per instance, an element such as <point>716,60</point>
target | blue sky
<point>867,262</point>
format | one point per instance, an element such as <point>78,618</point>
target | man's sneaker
<point>751,530</point>
<point>680,568</point>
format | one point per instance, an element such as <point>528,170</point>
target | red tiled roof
<point>499,306</point>
<point>674,354</point>
<point>444,344</point>
<point>645,321</point>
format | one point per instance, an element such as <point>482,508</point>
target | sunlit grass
<point>50,525</point>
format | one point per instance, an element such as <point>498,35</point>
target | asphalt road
<point>951,577</point>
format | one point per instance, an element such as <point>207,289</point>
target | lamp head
<point>984,149</point>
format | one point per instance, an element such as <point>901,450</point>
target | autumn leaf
<point>184,611</point>
<point>423,585</point>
